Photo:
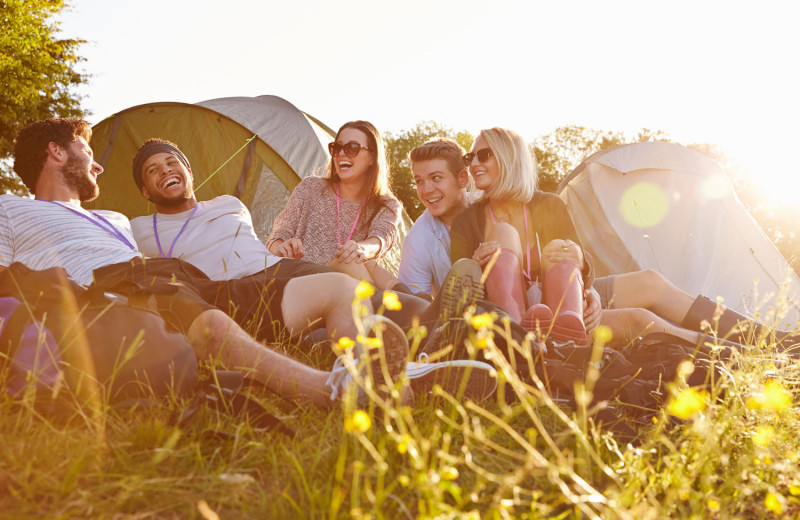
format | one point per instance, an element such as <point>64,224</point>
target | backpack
<point>53,330</point>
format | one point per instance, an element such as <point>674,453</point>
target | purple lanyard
<point>527,240</point>
<point>175,240</point>
<point>104,224</point>
<point>339,222</point>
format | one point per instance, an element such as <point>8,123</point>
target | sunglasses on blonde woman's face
<point>351,149</point>
<point>483,155</point>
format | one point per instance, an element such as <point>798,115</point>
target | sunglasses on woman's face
<point>351,149</point>
<point>483,155</point>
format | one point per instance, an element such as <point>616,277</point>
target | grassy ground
<point>736,455</point>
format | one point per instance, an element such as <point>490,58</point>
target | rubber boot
<point>731,325</point>
<point>539,319</point>
<point>504,285</point>
<point>563,293</point>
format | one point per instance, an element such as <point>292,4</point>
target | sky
<point>724,73</point>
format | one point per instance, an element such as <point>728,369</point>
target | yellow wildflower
<point>602,334</point>
<point>482,341</point>
<point>345,343</point>
<point>391,302</point>
<point>449,473</point>
<point>364,290</point>
<point>713,505</point>
<point>774,398</point>
<point>688,403</point>
<point>359,422</point>
<point>774,503</point>
<point>794,490</point>
<point>763,436</point>
<point>404,480</point>
<point>402,446</point>
<point>482,321</point>
<point>369,342</point>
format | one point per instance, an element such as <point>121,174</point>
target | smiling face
<point>485,173</point>
<point>167,183</point>
<point>80,171</point>
<point>441,191</point>
<point>353,169</point>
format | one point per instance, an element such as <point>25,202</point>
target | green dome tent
<point>255,148</point>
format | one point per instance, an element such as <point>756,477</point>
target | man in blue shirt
<point>441,177</point>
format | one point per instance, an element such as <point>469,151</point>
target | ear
<point>463,178</point>
<point>145,194</point>
<point>55,151</point>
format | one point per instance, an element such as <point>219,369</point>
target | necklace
<point>339,221</point>
<point>175,240</point>
<point>498,217</point>
<point>100,222</point>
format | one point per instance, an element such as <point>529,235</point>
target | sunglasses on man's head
<point>351,149</point>
<point>483,155</point>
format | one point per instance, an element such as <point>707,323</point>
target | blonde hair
<point>517,173</point>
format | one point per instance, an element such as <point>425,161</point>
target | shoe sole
<point>462,287</point>
<point>392,356</point>
<point>480,386</point>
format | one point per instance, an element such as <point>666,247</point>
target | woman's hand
<point>484,253</point>
<point>291,248</point>
<point>351,251</point>
<point>563,251</point>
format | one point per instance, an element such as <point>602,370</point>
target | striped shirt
<point>41,235</point>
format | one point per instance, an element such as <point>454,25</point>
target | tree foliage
<point>37,74</point>
<point>398,147</point>
<point>560,151</point>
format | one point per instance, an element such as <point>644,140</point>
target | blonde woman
<point>526,238</point>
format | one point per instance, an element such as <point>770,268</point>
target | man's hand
<point>592,313</point>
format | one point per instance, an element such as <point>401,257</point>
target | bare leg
<point>507,236</point>
<point>354,270</point>
<point>311,301</point>
<point>628,324</point>
<point>649,289</point>
<point>213,334</point>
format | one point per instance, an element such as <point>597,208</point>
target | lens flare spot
<point>644,205</point>
<point>715,187</point>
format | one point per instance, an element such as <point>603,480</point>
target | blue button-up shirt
<point>425,258</point>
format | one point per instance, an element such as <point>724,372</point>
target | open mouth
<point>434,201</point>
<point>345,164</point>
<point>170,182</point>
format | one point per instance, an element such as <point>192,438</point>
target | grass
<point>736,455</point>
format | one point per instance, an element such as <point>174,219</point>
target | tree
<point>398,147</point>
<point>37,74</point>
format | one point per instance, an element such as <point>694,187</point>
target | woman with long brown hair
<point>348,218</point>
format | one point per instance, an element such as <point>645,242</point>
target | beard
<point>162,201</point>
<point>77,176</point>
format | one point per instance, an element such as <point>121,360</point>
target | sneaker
<point>461,287</point>
<point>480,384</point>
<point>385,365</point>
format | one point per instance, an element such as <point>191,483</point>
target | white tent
<point>666,207</point>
